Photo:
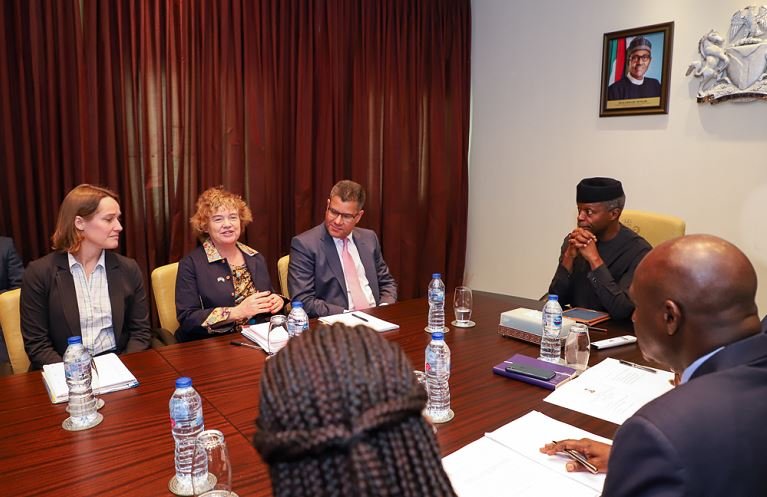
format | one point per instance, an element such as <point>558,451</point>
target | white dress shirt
<point>364,283</point>
<point>94,305</point>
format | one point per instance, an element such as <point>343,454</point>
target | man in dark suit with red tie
<point>695,313</point>
<point>336,266</point>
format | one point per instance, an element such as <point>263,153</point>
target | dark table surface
<point>131,451</point>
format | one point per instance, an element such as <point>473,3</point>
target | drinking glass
<point>278,331</point>
<point>216,479</point>
<point>578,347</point>
<point>462,301</point>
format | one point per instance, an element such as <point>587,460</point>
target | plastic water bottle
<point>186,422</point>
<point>437,372</point>
<point>552,325</point>
<point>436,294</point>
<point>298,321</point>
<point>77,370</point>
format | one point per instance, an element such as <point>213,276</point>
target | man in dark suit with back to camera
<point>336,266</point>
<point>634,84</point>
<point>599,256</point>
<point>695,313</point>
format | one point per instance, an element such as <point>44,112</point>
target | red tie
<point>352,279</point>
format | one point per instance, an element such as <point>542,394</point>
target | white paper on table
<point>508,462</point>
<point>357,318</point>
<point>110,375</point>
<point>258,333</point>
<point>612,391</point>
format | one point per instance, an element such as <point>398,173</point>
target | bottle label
<point>437,295</point>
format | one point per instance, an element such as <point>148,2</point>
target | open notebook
<point>112,376</point>
<point>358,318</point>
<point>258,333</point>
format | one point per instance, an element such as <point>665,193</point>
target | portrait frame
<point>618,95</point>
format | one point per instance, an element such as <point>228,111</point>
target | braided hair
<point>340,415</point>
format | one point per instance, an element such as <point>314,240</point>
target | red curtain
<point>274,99</point>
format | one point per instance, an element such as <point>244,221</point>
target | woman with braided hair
<point>340,415</point>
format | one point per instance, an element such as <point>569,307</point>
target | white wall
<point>536,132</point>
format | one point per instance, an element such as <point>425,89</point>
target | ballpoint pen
<point>578,457</point>
<point>638,366</point>
<point>359,317</point>
<point>594,328</point>
<point>243,344</point>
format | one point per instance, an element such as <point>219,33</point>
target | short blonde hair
<point>83,200</point>
<point>210,201</point>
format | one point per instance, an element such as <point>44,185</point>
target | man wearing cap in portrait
<point>599,256</point>
<point>634,84</point>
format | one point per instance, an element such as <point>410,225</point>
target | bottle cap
<point>183,382</point>
<point>297,303</point>
<point>436,276</point>
<point>553,297</point>
<point>73,340</point>
<point>438,335</point>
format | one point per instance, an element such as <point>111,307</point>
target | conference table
<point>131,451</point>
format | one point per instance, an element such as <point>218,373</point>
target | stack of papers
<point>358,318</point>
<point>258,333</point>
<point>508,462</point>
<point>612,390</point>
<point>110,375</point>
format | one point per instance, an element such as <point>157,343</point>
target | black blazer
<point>49,311</point>
<point>11,267</point>
<point>203,285</point>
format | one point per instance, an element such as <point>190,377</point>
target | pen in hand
<point>578,457</point>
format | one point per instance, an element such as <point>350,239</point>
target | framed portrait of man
<point>636,68</point>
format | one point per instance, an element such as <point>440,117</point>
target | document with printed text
<point>612,390</point>
<point>508,461</point>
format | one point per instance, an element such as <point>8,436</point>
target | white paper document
<point>508,462</point>
<point>612,390</point>
<point>259,333</point>
<point>112,376</point>
<point>357,318</point>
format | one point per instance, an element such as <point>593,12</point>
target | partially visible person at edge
<point>222,284</point>
<point>634,83</point>
<point>599,256</point>
<point>341,415</point>
<point>83,288</point>
<point>11,273</point>
<point>696,314</point>
<point>335,266</point>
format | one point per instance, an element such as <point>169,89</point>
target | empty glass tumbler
<point>210,450</point>
<point>578,347</point>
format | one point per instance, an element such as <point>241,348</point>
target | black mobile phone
<point>531,371</point>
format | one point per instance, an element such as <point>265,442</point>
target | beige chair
<point>164,290</point>
<point>653,227</point>
<point>282,270</point>
<point>10,321</point>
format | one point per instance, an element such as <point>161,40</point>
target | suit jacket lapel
<point>116,297</point>
<point>365,251</point>
<point>331,255</point>
<point>66,292</point>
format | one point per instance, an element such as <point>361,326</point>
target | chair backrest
<point>10,321</point>
<point>164,290</point>
<point>653,227</point>
<point>282,270</point>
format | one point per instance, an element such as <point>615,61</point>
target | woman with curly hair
<point>222,284</point>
